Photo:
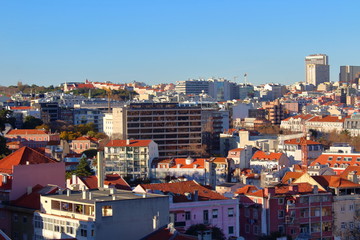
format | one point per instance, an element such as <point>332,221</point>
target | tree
<point>5,117</point>
<point>90,153</point>
<point>83,168</point>
<point>216,233</point>
<point>4,151</point>
<point>31,122</point>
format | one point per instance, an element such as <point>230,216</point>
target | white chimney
<point>112,190</point>
<point>100,170</point>
<point>29,190</point>
<point>68,192</point>
<point>73,179</point>
<point>84,194</point>
<point>127,141</point>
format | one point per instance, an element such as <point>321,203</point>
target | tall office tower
<point>219,89</point>
<point>317,69</point>
<point>175,127</point>
<point>192,86</point>
<point>349,74</point>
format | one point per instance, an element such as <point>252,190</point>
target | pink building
<point>21,171</point>
<point>83,143</point>
<point>35,138</point>
<point>301,211</point>
<point>192,203</point>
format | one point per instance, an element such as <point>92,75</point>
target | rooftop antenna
<point>245,76</point>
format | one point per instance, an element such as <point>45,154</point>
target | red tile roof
<point>260,155</point>
<point>200,162</point>
<point>327,119</point>
<point>334,181</point>
<point>337,158</point>
<point>349,169</point>
<point>20,108</point>
<point>246,189</point>
<point>302,141</point>
<point>86,138</point>
<point>180,188</point>
<point>165,234</point>
<point>26,132</point>
<point>291,175</point>
<point>302,116</point>
<point>21,157</point>
<point>32,200</point>
<point>133,143</point>
<point>111,180</point>
<point>236,150</point>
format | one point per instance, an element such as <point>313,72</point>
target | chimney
<point>178,165</point>
<point>269,190</point>
<point>295,188</point>
<point>4,179</point>
<point>127,141</point>
<point>315,189</point>
<point>100,170</point>
<point>112,190</point>
<point>73,179</point>
<point>196,196</point>
<point>29,190</point>
<point>84,194</point>
<point>68,192</point>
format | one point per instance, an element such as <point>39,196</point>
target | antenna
<point>245,76</point>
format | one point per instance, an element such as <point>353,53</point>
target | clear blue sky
<point>49,42</point>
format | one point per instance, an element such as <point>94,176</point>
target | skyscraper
<point>349,74</point>
<point>317,69</point>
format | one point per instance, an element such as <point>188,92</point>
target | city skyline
<point>154,42</point>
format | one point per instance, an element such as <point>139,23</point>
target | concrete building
<point>299,210</point>
<point>192,86</point>
<point>176,128</point>
<point>34,138</point>
<point>275,111</point>
<point>84,116</point>
<point>130,158</point>
<point>191,203</point>
<point>349,74</point>
<point>317,69</point>
<point>352,124</point>
<point>100,214</point>
<point>263,161</point>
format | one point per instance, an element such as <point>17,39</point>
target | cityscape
<point>178,121</point>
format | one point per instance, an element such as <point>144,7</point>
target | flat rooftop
<point>101,195</point>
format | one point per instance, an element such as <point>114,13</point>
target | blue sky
<point>49,42</point>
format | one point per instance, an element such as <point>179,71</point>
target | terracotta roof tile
<point>111,179</point>
<point>334,181</point>
<point>337,159</point>
<point>26,132</point>
<point>180,188</point>
<point>133,143</point>
<point>291,175</point>
<point>246,189</point>
<point>260,155</point>
<point>301,141</point>
<point>21,157</point>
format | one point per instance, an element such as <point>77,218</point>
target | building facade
<point>317,69</point>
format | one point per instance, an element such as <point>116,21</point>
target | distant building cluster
<point>222,157</point>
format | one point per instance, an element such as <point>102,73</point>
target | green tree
<point>90,153</point>
<point>4,151</point>
<point>6,117</point>
<point>216,233</point>
<point>83,168</point>
<point>31,122</point>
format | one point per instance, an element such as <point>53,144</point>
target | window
<point>107,211</point>
<point>280,213</point>
<point>15,217</point>
<point>281,229</point>
<point>256,229</point>
<point>280,201</point>
<point>231,230</point>
<point>247,228</point>
<point>230,212</point>
<point>206,216</point>
<point>255,213</point>
<point>25,219</point>
<point>214,213</point>
<point>343,225</point>
<point>247,212</point>
<point>342,208</point>
<point>351,207</point>
<point>83,232</point>
<point>187,215</point>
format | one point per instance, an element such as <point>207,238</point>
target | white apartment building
<point>317,69</point>
<point>100,214</point>
<point>131,158</point>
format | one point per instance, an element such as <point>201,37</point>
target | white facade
<point>100,214</point>
<point>317,69</point>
